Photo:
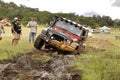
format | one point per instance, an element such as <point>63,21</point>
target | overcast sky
<point>102,7</point>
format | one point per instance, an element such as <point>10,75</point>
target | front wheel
<point>38,43</point>
<point>79,49</point>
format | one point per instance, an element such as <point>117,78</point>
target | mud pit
<point>28,67</point>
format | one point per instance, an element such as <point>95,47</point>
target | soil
<point>41,65</point>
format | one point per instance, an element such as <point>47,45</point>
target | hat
<point>16,18</point>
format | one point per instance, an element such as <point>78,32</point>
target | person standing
<point>19,32</point>
<point>33,29</point>
<point>16,31</point>
<point>1,31</point>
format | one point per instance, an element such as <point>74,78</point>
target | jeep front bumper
<point>63,45</point>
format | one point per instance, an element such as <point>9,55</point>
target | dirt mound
<point>90,48</point>
<point>40,67</point>
<point>96,44</point>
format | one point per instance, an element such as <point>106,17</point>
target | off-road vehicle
<point>63,35</point>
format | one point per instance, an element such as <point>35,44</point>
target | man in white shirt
<point>33,29</point>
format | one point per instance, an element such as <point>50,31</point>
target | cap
<point>16,18</point>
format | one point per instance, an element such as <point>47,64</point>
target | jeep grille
<point>57,37</point>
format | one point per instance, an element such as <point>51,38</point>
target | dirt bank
<point>39,67</point>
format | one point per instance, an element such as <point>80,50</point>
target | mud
<point>25,67</point>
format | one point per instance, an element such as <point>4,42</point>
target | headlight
<point>76,44</point>
<point>52,37</point>
<point>68,40</point>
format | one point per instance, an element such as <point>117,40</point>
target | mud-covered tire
<point>79,50</point>
<point>38,43</point>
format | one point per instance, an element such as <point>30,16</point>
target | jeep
<point>62,35</point>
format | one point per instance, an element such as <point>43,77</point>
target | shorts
<point>16,36</point>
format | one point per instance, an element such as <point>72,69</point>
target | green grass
<point>101,65</point>
<point>8,51</point>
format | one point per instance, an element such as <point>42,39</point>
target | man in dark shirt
<point>16,31</point>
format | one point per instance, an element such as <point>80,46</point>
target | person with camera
<point>16,31</point>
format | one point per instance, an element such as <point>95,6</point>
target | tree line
<point>11,10</point>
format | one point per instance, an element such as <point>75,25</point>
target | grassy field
<point>101,60</point>
<point>7,50</point>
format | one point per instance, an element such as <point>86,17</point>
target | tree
<point>11,10</point>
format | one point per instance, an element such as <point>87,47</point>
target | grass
<point>7,50</point>
<point>101,65</point>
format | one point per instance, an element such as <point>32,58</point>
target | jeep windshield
<point>69,27</point>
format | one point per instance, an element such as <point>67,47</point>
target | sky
<point>81,7</point>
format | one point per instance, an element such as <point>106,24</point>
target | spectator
<point>33,29</point>
<point>19,27</point>
<point>1,31</point>
<point>16,30</point>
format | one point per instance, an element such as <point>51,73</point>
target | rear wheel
<point>38,43</point>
